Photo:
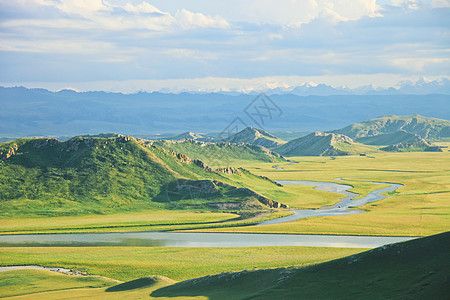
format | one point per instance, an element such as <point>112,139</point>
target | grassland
<point>22,282</point>
<point>127,263</point>
<point>421,207</point>
<point>166,220</point>
<point>417,269</point>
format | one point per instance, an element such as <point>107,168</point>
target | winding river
<point>203,239</point>
<point>343,207</point>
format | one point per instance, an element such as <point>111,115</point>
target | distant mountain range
<point>388,133</point>
<point>38,112</point>
<point>420,87</point>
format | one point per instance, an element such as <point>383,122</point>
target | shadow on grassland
<point>416,269</point>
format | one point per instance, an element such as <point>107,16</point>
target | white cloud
<point>143,7</point>
<point>188,19</point>
<point>135,39</point>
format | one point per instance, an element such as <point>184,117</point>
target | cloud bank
<point>170,41</point>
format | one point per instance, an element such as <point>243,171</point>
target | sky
<point>211,45</point>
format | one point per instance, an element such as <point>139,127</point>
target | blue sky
<point>123,45</point>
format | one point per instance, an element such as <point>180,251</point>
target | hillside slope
<point>391,138</point>
<point>322,144</point>
<point>255,136</point>
<point>220,154</point>
<point>416,269</point>
<point>99,175</point>
<point>427,128</point>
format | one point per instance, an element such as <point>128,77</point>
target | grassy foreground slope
<point>417,269</point>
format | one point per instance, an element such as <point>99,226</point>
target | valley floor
<point>421,207</point>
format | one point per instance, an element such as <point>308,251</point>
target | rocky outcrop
<point>7,154</point>
<point>228,170</point>
<point>202,165</point>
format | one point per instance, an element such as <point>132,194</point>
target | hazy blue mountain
<point>427,128</point>
<point>255,136</point>
<point>191,136</point>
<point>38,112</point>
<point>322,144</point>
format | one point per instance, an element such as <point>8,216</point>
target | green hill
<point>391,138</point>
<point>220,154</point>
<point>46,177</point>
<point>427,128</point>
<point>255,136</point>
<point>322,144</point>
<point>417,269</point>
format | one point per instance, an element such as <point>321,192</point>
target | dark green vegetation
<point>427,128</point>
<point>322,144</point>
<point>220,154</point>
<point>417,269</point>
<point>46,177</point>
<point>255,136</point>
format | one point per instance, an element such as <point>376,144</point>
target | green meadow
<point>384,272</point>
<point>128,263</point>
<point>420,207</point>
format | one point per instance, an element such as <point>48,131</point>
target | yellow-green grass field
<point>420,208</point>
<point>160,220</point>
<point>42,284</point>
<point>128,263</point>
